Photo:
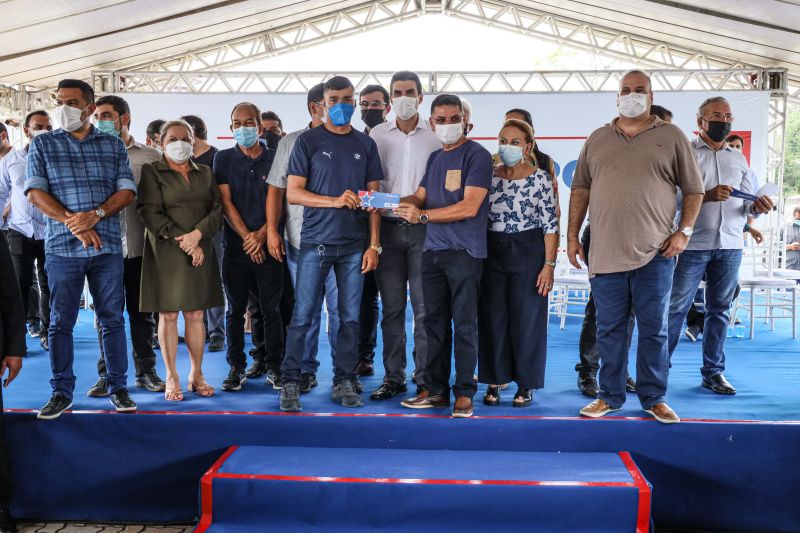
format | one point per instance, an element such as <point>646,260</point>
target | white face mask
<point>632,105</point>
<point>405,107</point>
<point>36,133</point>
<point>449,133</point>
<point>70,117</point>
<point>178,151</point>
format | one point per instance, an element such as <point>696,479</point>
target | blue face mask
<point>107,126</point>
<point>797,223</point>
<point>341,113</point>
<point>246,136</point>
<point>509,154</point>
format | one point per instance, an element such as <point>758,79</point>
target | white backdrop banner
<point>562,120</point>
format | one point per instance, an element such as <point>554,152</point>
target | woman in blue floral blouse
<point>518,273</point>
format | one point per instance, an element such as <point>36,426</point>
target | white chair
<point>779,300</point>
<point>570,288</point>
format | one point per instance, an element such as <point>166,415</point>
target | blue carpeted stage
<point>732,465</point>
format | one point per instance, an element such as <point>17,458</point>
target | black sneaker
<point>100,389</point>
<point>307,382</point>
<point>7,523</point>
<point>216,344</point>
<point>57,405</point>
<point>630,384</point>
<point>388,389</point>
<point>257,369</point>
<point>345,393</point>
<point>122,401</point>
<point>151,382</point>
<point>290,398</point>
<point>236,378</point>
<point>44,343</point>
<point>274,378</point>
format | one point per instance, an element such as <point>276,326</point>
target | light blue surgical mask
<point>509,154</point>
<point>107,126</point>
<point>246,136</point>
<point>797,223</point>
<point>341,113</point>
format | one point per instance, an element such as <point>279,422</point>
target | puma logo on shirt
<point>329,154</point>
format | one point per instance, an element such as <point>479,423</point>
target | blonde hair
<point>525,128</point>
<point>173,123</point>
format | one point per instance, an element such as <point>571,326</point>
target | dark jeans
<point>451,286</point>
<point>242,276</point>
<point>313,266</point>
<point>66,275</point>
<point>587,344</point>
<point>368,319</point>
<point>400,267</point>
<point>142,325</point>
<point>721,269</point>
<point>646,290</point>
<point>28,256</point>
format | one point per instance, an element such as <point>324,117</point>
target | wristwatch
<point>377,247</point>
<point>423,218</point>
<point>550,263</point>
<point>688,231</point>
<point>100,212</point>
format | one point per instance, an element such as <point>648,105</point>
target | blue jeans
<point>647,290</point>
<point>313,267</point>
<point>310,363</point>
<point>721,268</point>
<point>104,274</point>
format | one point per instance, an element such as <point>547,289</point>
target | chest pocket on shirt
<point>732,174</point>
<point>452,181</point>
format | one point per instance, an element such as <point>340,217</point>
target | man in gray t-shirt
<point>791,236</point>
<point>290,248</point>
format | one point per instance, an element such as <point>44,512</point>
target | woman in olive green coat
<point>180,206</point>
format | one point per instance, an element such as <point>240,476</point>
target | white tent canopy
<point>46,40</point>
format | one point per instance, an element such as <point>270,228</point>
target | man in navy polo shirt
<point>328,166</point>
<point>241,173</point>
<point>451,200</point>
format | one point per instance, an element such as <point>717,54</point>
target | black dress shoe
<point>151,381</point>
<point>99,390</point>
<point>388,389</point>
<point>364,368</point>
<point>719,384</point>
<point>588,386</point>
<point>630,385</point>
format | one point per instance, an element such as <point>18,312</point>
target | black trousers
<point>368,319</point>
<point>27,255</point>
<point>142,325</point>
<point>241,276</point>
<point>512,318</point>
<point>589,354</point>
<point>259,352</point>
<point>5,460</point>
<point>450,287</point>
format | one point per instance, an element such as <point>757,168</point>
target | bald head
<point>633,80</point>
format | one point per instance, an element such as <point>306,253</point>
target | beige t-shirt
<point>633,183</point>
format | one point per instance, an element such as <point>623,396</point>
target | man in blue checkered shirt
<point>81,179</point>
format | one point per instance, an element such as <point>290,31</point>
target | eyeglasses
<point>451,120</point>
<point>727,117</point>
<point>374,104</point>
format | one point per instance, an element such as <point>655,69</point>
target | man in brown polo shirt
<point>628,175</point>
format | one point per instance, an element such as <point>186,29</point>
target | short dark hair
<point>526,115</point>
<point>406,75</point>
<point>338,83</point>
<point>198,125</point>
<point>734,137</point>
<point>3,129</point>
<point>37,113</point>
<point>120,106</point>
<point>86,90</point>
<point>446,99</point>
<point>253,107</point>
<point>316,93</point>
<point>154,128</point>
<point>270,115</point>
<point>374,89</point>
<point>660,111</point>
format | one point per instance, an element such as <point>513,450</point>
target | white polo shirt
<point>403,157</point>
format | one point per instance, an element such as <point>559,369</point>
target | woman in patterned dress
<point>518,273</point>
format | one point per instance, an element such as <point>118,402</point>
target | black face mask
<point>718,130</point>
<point>372,117</point>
